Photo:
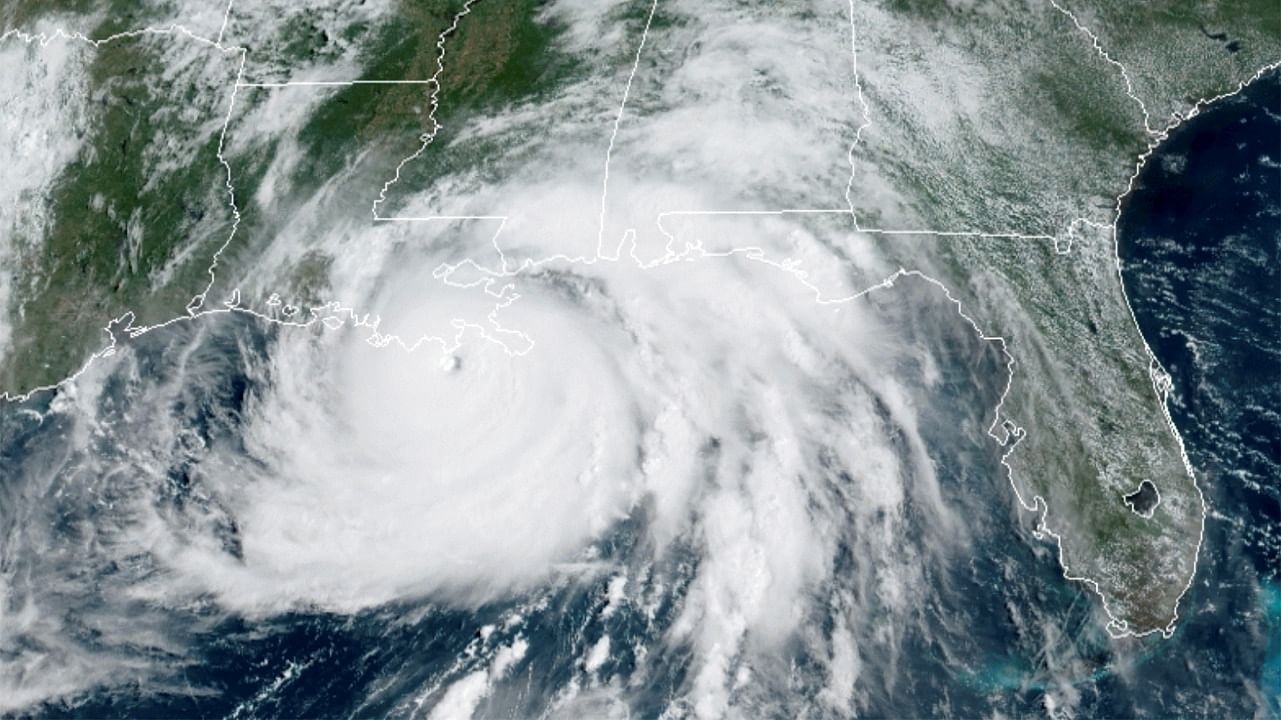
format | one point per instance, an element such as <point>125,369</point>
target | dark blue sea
<point>1200,245</point>
<point>1000,632</point>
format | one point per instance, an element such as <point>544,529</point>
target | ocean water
<point>995,628</point>
<point>1200,244</point>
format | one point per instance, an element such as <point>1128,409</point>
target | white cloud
<point>43,116</point>
<point>462,698</point>
<point>759,428</point>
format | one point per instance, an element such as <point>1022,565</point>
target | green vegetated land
<point>117,15</point>
<point>132,234</point>
<point>1082,388</point>
<point>1058,142</point>
<point>134,217</point>
<point>1178,51</point>
<point>1096,427</point>
<point>500,53</point>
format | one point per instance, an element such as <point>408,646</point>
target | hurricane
<point>649,390</point>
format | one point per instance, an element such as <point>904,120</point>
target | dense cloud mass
<point>351,476</point>
<point>638,394</point>
<point>533,387</point>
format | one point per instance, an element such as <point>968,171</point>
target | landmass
<point>170,171</point>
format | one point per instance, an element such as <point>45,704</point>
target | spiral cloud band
<point>667,346</point>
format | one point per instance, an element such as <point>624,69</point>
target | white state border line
<point>226,17</point>
<point>433,104</point>
<point>618,118</point>
<point>59,34</point>
<point>1116,627</point>
<point>618,122</point>
<point>1125,74</point>
<point>329,83</point>
<point>125,322</point>
<point>1161,383</point>
<point>1161,379</point>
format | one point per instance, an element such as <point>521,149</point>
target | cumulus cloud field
<point>659,349</point>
